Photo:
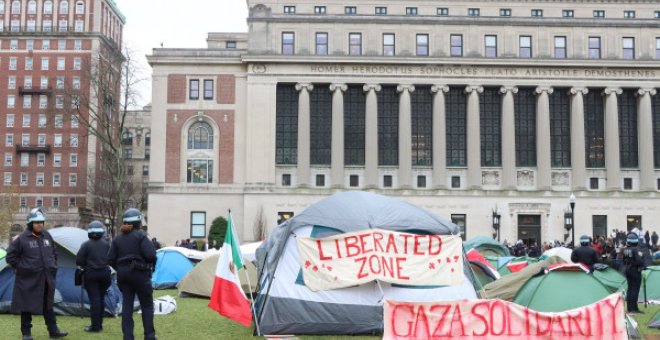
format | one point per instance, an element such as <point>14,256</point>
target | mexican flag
<point>227,297</point>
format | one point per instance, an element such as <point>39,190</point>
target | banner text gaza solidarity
<point>354,258</point>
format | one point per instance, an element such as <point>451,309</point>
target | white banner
<point>351,259</point>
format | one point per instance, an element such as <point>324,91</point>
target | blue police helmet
<point>35,215</point>
<point>585,240</point>
<point>96,229</point>
<point>632,238</point>
<point>132,215</point>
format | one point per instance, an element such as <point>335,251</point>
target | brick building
<point>45,50</point>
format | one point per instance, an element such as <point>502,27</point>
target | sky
<point>176,24</point>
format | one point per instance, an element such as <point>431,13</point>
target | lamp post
<point>571,201</point>
<point>496,222</point>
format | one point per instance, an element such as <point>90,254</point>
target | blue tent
<point>67,296</point>
<point>171,267</point>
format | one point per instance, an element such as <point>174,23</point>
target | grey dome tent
<point>284,305</point>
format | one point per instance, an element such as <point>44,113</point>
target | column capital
<point>505,89</point>
<point>612,90</point>
<point>439,88</point>
<point>369,87</point>
<point>581,90</point>
<point>546,89</point>
<point>646,90</point>
<point>409,88</point>
<point>341,87</point>
<point>474,88</point>
<point>304,86</point>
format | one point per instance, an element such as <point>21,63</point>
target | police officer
<point>33,257</point>
<point>134,257</point>
<point>633,264</point>
<point>93,259</point>
<point>584,253</point>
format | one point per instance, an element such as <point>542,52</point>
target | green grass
<point>193,318</point>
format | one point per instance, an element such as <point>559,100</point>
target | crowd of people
<point>195,245</point>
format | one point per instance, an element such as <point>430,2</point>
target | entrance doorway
<point>634,221</point>
<point>529,229</point>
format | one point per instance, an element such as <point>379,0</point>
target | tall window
<point>525,46</point>
<point>32,7</point>
<point>456,110</point>
<point>456,45</point>
<point>355,43</point>
<point>354,125</point>
<point>594,47</point>
<point>594,126</point>
<point>628,48</point>
<point>657,48</point>
<point>320,107</point>
<point>388,126</point>
<point>15,7</point>
<point>560,128</point>
<point>599,225</point>
<point>208,89</point>
<point>422,48</point>
<point>388,44</point>
<point>459,221</point>
<point>491,46</point>
<point>200,136</point>
<point>628,129</point>
<point>193,89</point>
<point>560,47</point>
<point>421,105</point>
<point>80,7</point>
<point>198,224</point>
<point>656,130</point>
<point>64,7</point>
<point>321,43</point>
<point>286,130</point>
<point>525,117</point>
<point>288,42</point>
<point>491,126</point>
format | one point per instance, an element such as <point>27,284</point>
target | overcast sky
<point>177,24</point>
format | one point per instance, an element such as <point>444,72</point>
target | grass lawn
<point>193,318</point>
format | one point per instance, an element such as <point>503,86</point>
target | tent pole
<point>256,321</point>
<point>272,278</point>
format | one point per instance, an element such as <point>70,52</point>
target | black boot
<point>93,330</point>
<point>27,337</point>
<point>57,334</point>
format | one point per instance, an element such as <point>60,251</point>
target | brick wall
<point>176,89</point>
<point>226,89</point>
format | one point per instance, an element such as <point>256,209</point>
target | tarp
<point>562,252</point>
<point>650,285</point>
<point>286,306</point>
<point>560,290</point>
<point>610,277</point>
<point>191,254</point>
<point>199,281</point>
<point>67,296</point>
<point>506,287</point>
<point>486,246</point>
<point>171,267</point>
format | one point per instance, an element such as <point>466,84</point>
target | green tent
<point>3,260</point>
<point>560,290</point>
<point>611,278</point>
<point>506,287</point>
<point>650,284</point>
<point>486,246</point>
<point>481,273</point>
<point>504,269</point>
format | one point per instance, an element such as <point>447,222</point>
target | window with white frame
<point>198,224</point>
<point>63,25</point>
<point>43,120</point>
<point>75,101</point>
<point>10,120</point>
<point>13,62</point>
<point>24,178</point>
<point>15,25</point>
<point>56,201</point>
<point>73,141</point>
<point>75,121</point>
<point>48,7</point>
<point>43,101</point>
<point>45,44</point>
<point>13,44</point>
<point>73,160</point>
<point>75,83</point>
<point>73,180</point>
<point>7,179</point>
<point>28,63</point>
<point>27,101</point>
<point>208,89</point>
<point>41,139</point>
<point>59,102</point>
<point>422,45</point>
<point>15,7</point>
<point>79,26</point>
<point>25,139</point>
<point>40,179</point>
<point>31,27</point>
<point>25,159</point>
<point>44,63</point>
<point>47,25</point>
<point>2,7</point>
<point>9,159</point>
<point>39,200</point>
<point>77,64</point>
<point>61,44</point>
<point>80,7</point>
<point>388,44</point>
<point>44,82</point>
<point>57,179</point>
<point>657,48</point>
<point>41,159</point>
<point>57,160</point>
<point>64,7</point>
<point>560,47</point>
<point>26,120</point>
<point>11,101</point>
<point>57,140</point>
<point>321,43</point>
<point>72,202</point>
<point>27,82</point>
<point>9,139</point>
<point>594,47</point>
<point>29,44</point>
<point>23,200</point>
<point>456,45</point>
<point>288,42</point>
<point>11,82</point>
<point>490,42</point>
<point>77,44</point>
<point>355,43</point>
<point>61,64</point>
<point>628,45</point>
<point>525,46</point>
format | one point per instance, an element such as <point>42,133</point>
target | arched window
<point>127,138</point>
<point>2,7</point>
<point>64,7</point>
<point>200,136</point>
<point>80,7</point>
<point>32,7</point>
<point>15,7</point>
<point>48,7</point>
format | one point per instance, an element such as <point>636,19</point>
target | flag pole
<point>247,276</point>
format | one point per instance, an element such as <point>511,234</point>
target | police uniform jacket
<point>130,246</point>
<point>586,255</point>
<point>34,258</point>
<point>93,254</point>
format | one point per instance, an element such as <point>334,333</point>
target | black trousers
<point>49,317</point>
<point>97,282</point>
<point>634,278</point>
<point>131,283</point>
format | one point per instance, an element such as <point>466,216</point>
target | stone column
<point>337,153</point>
<point>371,136</point>
<point>303,133</point>
<point>543,139</point>
<point>578,161</point>
<point>612,154</point>
<point>405,136</point>
<point>645,131</point>
<point>508,132</point>
<point>473,137</point>
<point>439,136</point>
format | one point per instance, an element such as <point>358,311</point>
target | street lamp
<point>571,201</point>
<point>496,223</point>
<point>568,223</point>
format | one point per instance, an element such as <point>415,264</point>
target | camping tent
<point>199,281</point>
<point>562,252</point>
<point>655,321</point>
<point>286,306</point>
<point>171,266</point>
<point>650,285</point>
<point>558,290</point>
<point>507,286</point>
<point>508,265</point>
<point>611,278</point>
<point>67,296</point>
<point>486,246</point>
<point>482,273</point>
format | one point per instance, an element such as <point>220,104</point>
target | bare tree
<point>259,226</point>
<point>9,205</point>
<point>113,80</point>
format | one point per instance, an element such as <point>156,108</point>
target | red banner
<point>494,319</point>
